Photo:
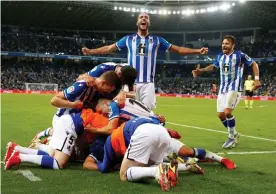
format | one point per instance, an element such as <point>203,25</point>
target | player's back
<point>98,70</point>
<point>134,109</point>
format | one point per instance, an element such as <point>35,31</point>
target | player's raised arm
<point>256,72</point>
<point>102,50</point>
<point>186,51</point>
<point>198,71</point>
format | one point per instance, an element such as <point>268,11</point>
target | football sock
<point>44,148</point>
<point>43,161</point>
<point>183,167</point>
<point>231,123</point>
<point>44,133</point>
<point>30,151</point>
<point>136,173</point>
<point>224,122</point>
<point>200,153</point>
<point>246,103</point>
<point>251,103</point>
<point>213,156</point>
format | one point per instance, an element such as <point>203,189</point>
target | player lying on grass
<point>115,147</point>
<point>55,155</point>
<point>80,93</point>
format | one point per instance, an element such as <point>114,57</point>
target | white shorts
<point>228,100</point>
<point>145,93</point>
<point>55,119</point>
<point>148,143</point>
<point>64,136</point>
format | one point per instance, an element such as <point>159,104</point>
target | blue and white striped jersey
<point>142,54</point>
<point>78,91</point>
<point>231,70</point>
<point>104,67</point>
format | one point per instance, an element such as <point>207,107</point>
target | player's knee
<point>123,175</point>
<point>228,113</point>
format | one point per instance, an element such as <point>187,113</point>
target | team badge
<point>70,89</point>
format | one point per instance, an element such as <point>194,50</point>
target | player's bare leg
<point>90,163</point>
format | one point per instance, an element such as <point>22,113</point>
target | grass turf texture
<point>24,115</point>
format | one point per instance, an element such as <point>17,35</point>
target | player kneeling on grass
<point>55,155</point>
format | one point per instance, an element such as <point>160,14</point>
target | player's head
<point>143,21</point>
<point>127,74</point>
<point>102,106</point>
<point>228,44</point>
<point>249,77</point>
<point>108,82</point>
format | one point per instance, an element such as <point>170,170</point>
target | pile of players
<point>99,120</point>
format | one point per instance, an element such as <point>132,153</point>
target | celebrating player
<point>142,53</point>
<point>248,87</point>
<point>80,95</point>
<point>231,64</point>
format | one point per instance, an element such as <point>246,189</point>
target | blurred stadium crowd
<point>169,78</point>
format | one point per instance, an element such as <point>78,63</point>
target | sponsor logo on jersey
<point>70,89</point>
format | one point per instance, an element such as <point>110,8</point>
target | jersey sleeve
<point>164,45</point>
<point>121,43</point>
<point>245,59</point>
<point>216,61</point>
<point>74,91</point>
<point>114,110</point>
<point>96,71</point>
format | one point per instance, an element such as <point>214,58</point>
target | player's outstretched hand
<point>85,51</point>
<point>161,118</point>
<point>204,50</point>
<point>78,104</point>
<point>196,72</point>
<point>257,84</point>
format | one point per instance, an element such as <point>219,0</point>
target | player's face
<point>101,86</point>
<point>118,70</point>
<point>227,46</point>
<point>143,22</point>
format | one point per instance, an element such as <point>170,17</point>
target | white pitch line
<point>213,130</point>
<point>28,174</point>
<point>246,153</point>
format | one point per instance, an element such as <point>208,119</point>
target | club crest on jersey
<point>150,41</point>
<point>70,89</point>
<point>234,61</point>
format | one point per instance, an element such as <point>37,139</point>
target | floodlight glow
<point>178,12</point>
<point>169,12</point>
<point>233,4</point>
<point>224,7</point>
<point>120,8</point>
<point>242,1</point>
<point>197,11</point>
<point>133,9</point>
<point>202,11</point>
<point>124,8</point>
<point>183,12</point>
<point>147,11</point>
<point>115,8</point>
<point>160,12</point>
<point>142,9</point>
<point>174,12</point>
<point>165,11</point>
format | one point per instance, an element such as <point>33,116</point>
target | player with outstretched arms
<point>142,55</point>
<point>231,64</point>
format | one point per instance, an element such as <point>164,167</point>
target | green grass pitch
<point>23,115</point>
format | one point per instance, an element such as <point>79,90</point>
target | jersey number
<point>132,101</point>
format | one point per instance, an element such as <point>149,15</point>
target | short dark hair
<point>112,79</point>
<point>128,75</point>
<point>231,38</point>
